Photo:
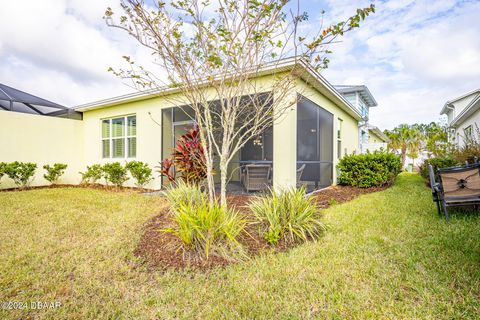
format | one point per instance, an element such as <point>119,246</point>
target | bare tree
<point>214,52</point>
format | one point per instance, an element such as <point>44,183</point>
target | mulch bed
<point>340,194</point>
<point>163,250</point>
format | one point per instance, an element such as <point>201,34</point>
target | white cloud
<point>62,49</point>
<point>413,55</point>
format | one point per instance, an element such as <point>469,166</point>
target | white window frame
<point>111,138</point>
<point>339,137</point>
<point>468,132</point>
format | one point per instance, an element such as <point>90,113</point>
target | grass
<point>385,255</point>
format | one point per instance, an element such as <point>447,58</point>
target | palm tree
<point>405,138</point>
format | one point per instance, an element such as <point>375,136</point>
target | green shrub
<point>3,167</point>
<point>203,227</point>
<point>92,174</point>
<point>288,214</point>
<point>115,173</point>
<point>140,171</point>
<point>470,152</point>
<point>439,162</point>
<point>54,172</point>
<point>21,172</point>
<point>369,169</point>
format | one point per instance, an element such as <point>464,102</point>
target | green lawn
<point>385,255</point>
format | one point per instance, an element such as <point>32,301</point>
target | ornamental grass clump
<point>290,215</point>
<point>204,228</point>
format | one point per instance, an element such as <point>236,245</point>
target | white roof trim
<point>362,90</point>
<point>310,76</point>
<point>447,104</point>
<point>473,106</point>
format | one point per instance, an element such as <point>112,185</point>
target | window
<point>119,137</point>
<point>339,137</point>
<point>468,134</point>
<point>363,108</point>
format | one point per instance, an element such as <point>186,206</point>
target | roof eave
<point>281,66</point>
<point>473,106</point>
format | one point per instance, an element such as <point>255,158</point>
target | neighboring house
<point>463,117</point>
<point>377,140</point>
<point>144,126</point>
<point>370,137</point>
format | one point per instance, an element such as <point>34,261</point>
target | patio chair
<point>457,186</point>
<point>255,177</point>
<point>299,175</point>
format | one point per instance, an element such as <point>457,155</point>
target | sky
<point>412,55</point>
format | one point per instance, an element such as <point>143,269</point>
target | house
<point>463,117</point>
<point>377,140</point>
<point>370,137</point>
<point>143,126</point>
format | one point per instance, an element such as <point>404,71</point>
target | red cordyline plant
<point>188,159</point>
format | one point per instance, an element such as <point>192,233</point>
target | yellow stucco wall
<point>78,143</point>
<point>42,140</point>
<point>149,133</point>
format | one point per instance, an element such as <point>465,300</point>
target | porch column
<point>285,144</point>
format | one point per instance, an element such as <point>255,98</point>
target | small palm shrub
<point>287,214</point>
<point>115,173</point>
<point>369,169</point>
<point>21,172</point>
<point>203,228</point>
<point>92,174</point>
<point>54,172</point>
<point>140,171</point>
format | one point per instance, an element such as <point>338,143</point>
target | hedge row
<point>22,173</point>
<point>116,174</point>
<point>369,169</point>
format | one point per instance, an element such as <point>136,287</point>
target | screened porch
<point>255,161</point>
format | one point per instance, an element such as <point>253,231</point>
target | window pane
<point>184,113</point>
<point>339,149</point>
<point>105,128</point>
<point>118,127</point>
<point>132,147</point>
<point>118,148</point>
<point>339,130</point>
<point>307,131</point>
<point>106,148</point>
<point>132,126</point>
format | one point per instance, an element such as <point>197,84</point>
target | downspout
<point>448,106</point>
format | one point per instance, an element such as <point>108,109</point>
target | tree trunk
<point>223,181</point>
<point>404,155</point>
<point>210,181</point>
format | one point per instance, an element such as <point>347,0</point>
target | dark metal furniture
<point>456,186</point>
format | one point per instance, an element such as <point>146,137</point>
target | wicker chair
<point>457,186</point>
<point>255,177</point>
